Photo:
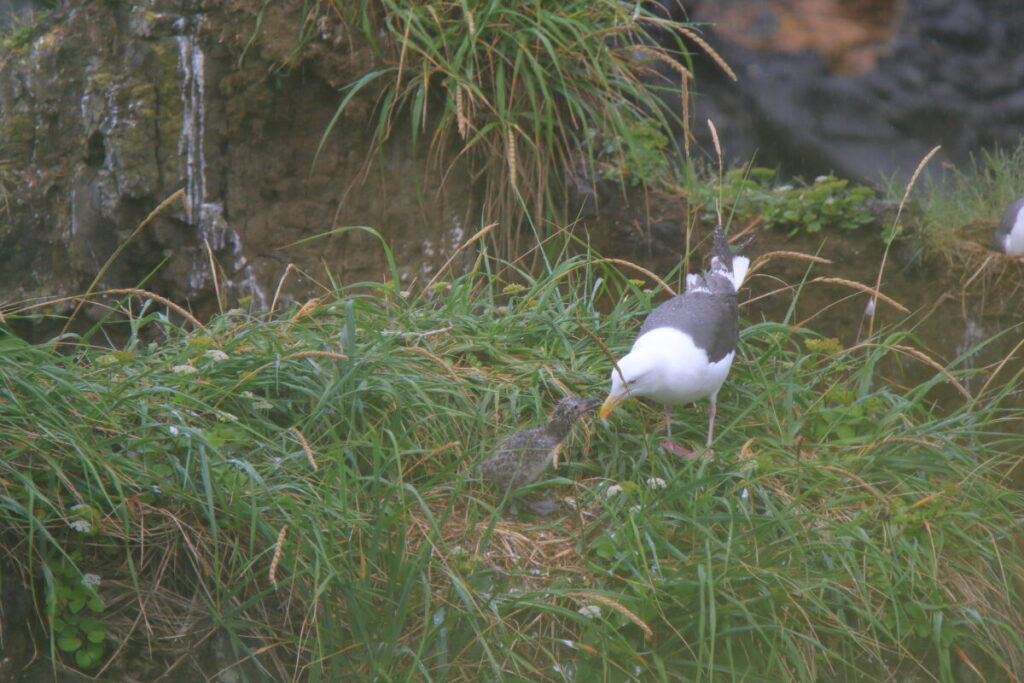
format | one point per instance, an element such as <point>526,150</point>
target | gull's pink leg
<point>711,422</point>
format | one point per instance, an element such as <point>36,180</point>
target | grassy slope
<point>308,489</point>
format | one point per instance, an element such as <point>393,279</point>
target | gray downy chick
<point>520,458</point>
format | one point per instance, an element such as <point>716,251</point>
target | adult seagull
<point>686,345</point>
<point>1009,236</point>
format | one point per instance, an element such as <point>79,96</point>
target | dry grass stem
<point>895,222</point>
<point>462,247</point>
<point>508,544</point>
<point>214,275</point>
<point>280,283</point>
<point>1000,366</point>
<point>307,309</point>
<point>604,349</point>
<point>419,351</point>
<point>510,156</point>
<point>660,55</point>
<point>935,365</point>
<point>684,103</point>
<point>299,354</point>
<point>913,178</point>
<point>718,151</point>
<point>161,207</point>
<point>111,292</point>
<point>460,113</point>
<point>640,269</point>
<point>881,497</point>
<point>763,259</point>
<point>618,607</point>
<point>867,290</point>
<point>305,447</point>
<point>927,360</point>
<point>278,551</point>
<point>704,45</point>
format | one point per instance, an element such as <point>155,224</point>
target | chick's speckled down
<point>520,458</point>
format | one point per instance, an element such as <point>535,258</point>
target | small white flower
<point>81,526</point>
<point>571,503</point>
<point>183,369</point>
<point>821,179</point>
<point>612,490</point>
<point>91,580</point>
<point>216,355</point>
<point>590,611</point>
<point>173,430</point>
<point>634,510</point>
<point>656,483</point>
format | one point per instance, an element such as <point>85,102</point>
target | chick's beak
<point>609,404</point>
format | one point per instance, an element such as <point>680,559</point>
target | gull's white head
<point>636,374</point>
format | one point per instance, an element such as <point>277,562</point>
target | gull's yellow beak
<point>609,404</point>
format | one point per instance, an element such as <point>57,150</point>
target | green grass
<point>301,485</point>
<point>528,95</point>
<point>975,197</point>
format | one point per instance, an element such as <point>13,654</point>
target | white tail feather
<point>740,265</point>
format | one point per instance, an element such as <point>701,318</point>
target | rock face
<point>861,88</point>
<point>107,109</point>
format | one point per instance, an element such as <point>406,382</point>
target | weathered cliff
<point>107,109</point>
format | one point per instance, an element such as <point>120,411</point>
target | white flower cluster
<point>258,403</point>
<point>81,526</point>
